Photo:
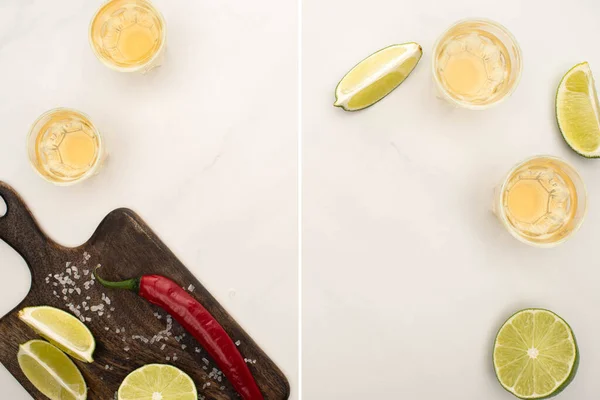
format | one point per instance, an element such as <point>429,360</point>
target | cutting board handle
<point>18,227</point>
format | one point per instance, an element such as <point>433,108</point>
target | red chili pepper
<point>199,322</point>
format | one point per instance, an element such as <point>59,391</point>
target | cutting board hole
<point>3,207</point>
<point>16,288</point>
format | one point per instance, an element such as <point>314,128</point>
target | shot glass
<point>128,35</point>
<point>476,64</point>
<point>542,201</point>
<point>64,147</point>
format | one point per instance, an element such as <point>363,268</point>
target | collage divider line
<point>299,190</point>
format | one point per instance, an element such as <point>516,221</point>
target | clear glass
<point>542,201</point>
<point>129,35</point>
<point>64,147</point>
<point>476,64</point>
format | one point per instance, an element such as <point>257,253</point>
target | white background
<point>407,274</point>
<point>204,148</point>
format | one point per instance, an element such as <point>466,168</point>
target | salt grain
<point>142,338</point>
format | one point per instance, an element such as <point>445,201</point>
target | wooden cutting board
<point>129,331</point>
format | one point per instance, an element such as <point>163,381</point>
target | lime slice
<point>51,371</point>
<point>577,111</point>
<point>535,354</point>
<point>62,329</point>
<point>376,76</point>
<point>158,382</point>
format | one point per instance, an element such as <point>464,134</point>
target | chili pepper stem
<point>129,284</point>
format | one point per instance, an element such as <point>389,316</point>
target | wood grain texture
<point>125,247</point>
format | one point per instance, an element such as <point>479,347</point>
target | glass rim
<point>465,104</point>
<point>91,172</point>
<point>134,68</point>
<point>577,182</point>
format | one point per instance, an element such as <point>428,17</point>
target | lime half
<point>577,111</point>
<point>51,371</point>
<point>158,382</point>
<point>62,329</point>
<point>376,76</point>
<point>535,354</point>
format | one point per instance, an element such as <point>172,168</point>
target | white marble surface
<point>204,148</point>
<point>407,274</point>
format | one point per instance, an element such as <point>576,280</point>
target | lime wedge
<point>61,329</point>
<point>535,354</point>
<point>158,382</point>
<point>376,76</point>
<point>577,111</point>
<point>51,371</point>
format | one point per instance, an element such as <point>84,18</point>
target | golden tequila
<point>476,63</point>
<point>128,35</point>
<point>542,201</point>
<point>64,146</point>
